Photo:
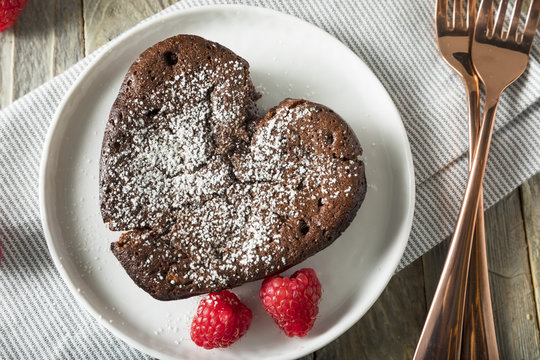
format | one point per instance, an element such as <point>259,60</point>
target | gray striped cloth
<point>38,316</point>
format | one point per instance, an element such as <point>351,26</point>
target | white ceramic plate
<point>288,58</point>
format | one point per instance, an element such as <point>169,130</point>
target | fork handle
<point>478,340</point>
<point>441,336</point>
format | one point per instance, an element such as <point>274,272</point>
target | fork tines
<point>460,15</point>
<point>493,26</point>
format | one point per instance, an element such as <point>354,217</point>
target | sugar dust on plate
<point>373,187</point>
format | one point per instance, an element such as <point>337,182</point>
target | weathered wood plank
<point>510,280</point>
<point>7,47</point>
<point>46,40</point>
<point>34,34</point>
<point>68,34</point>
<point>433,262</point>
<point>106,19</point>
<point>530,195</point>
<point>391,327</point>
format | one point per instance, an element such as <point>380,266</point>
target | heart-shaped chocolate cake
<point>212,196</point>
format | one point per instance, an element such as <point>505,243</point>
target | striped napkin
<point>38,316</point>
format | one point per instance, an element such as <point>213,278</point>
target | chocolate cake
<point>210,195</point>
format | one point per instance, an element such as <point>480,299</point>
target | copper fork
<point>454,37</point>
<point>499,57</point>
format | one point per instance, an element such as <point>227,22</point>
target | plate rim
<point>401,238</point>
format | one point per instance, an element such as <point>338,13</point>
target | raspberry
<point>9,12</point>
<point>292,302</point>
<point>221,320</point>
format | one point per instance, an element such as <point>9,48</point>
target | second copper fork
<point>478,338</point>
<point>471,310</point>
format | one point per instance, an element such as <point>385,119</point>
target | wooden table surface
<point>51,35</point>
